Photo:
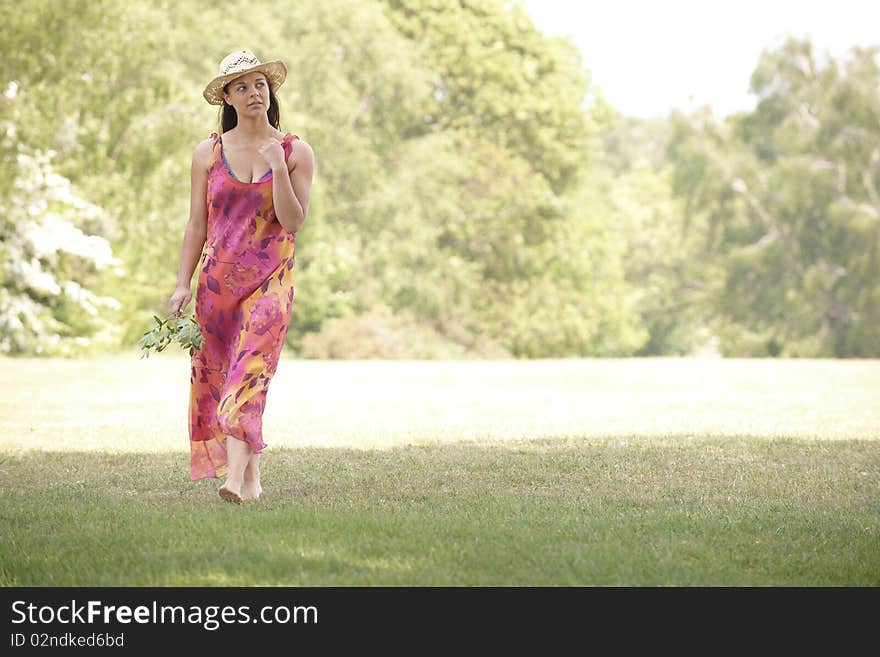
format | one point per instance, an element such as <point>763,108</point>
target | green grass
<point>589,472</point>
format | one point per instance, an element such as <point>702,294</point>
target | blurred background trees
<point>474,196</point>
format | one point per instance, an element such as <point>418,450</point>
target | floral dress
<point>243,304</point>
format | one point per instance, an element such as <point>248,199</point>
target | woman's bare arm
<point>291,189</point>
<point>197,226</point>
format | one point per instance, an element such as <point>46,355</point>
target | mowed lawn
<point>661,471</point>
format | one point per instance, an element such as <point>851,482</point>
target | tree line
<point>475,195</point>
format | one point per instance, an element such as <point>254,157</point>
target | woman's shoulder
<point>204,150</point>
<point>300,154</point>
<point>297,142</point>
<point>209,141</point>
<point>300,146</point>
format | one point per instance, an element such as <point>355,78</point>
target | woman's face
<point>245,92</point>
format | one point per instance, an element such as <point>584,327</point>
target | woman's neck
<point>249,130</point>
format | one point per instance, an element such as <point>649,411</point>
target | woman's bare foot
<point>239,453</point>
<point>230,493</point>
<point>251,490</point>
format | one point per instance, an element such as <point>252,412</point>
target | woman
<point>242,228</point>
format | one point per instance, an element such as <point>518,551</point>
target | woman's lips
<point>255,104</point>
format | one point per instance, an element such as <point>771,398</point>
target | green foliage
<point>502,81</point>
<point>460,184</point>
<point>380,334</point>
<point>183,330</point>
<point>787,198</point>
<point>49,263</point>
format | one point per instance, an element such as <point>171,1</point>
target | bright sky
<point>648,57</point>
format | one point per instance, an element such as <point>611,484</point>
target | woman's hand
<point>179,300</point>
<point>272,153</point>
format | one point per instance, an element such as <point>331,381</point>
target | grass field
<point>550,472</point>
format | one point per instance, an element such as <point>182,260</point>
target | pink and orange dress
<point>243,304</point>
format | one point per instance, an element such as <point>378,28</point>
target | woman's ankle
<point>233,483</point>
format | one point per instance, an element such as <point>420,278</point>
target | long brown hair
<point>229,117</point>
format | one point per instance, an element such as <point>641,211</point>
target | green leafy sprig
<point>174,328</point>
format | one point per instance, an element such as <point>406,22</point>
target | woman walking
<point>250,195</point>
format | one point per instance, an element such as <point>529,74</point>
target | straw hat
<point>238,63</point>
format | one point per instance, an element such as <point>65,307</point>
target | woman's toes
<point>229,495</point>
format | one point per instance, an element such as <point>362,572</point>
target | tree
<point>788,192</point>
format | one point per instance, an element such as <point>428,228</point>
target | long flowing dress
<point>243,304</point>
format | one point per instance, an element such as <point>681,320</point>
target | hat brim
<point>275,71</point>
